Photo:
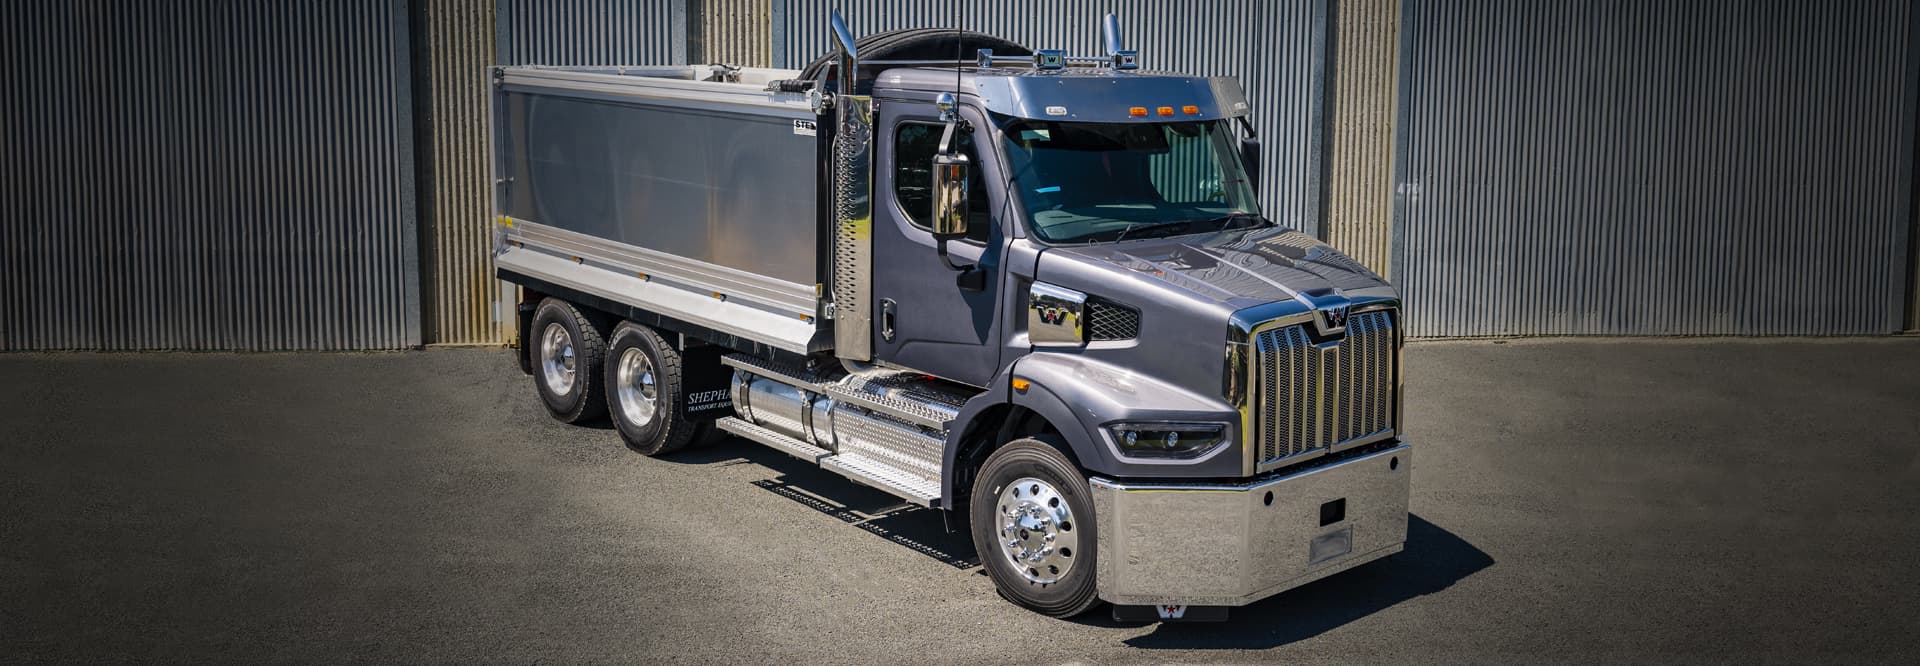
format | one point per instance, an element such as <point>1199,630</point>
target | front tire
<point>644,391</point>
<point>1033,526</point>
<point>567,351</point>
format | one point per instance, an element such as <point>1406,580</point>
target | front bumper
<point>1229,545</point>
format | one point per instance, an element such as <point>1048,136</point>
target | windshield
<point>1093,182</point>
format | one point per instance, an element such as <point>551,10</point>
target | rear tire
<point>644,391</point>
<point>1030,493</point>
<point>567,351</point>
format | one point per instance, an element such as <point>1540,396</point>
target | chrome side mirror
<point>950,195</point>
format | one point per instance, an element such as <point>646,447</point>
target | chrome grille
<point>1312,396</point>
<point>1111,321</point>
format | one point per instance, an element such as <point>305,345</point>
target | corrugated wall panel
<point>591,32</point>
<point>1276,49</point>
<point>463,302</point>
<point>1366,64</point>
<point>735,32</point>
<point>208,175</point>
<point>1652,167</point>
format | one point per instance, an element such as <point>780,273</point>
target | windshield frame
<point>1220,135</point>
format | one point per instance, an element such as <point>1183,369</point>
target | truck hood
<point>1239,268</point>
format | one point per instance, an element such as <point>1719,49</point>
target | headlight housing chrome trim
<point>1167,442</point>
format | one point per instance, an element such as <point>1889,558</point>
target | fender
<point>1099,393</point>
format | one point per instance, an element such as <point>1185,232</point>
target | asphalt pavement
<point>1574,500</point>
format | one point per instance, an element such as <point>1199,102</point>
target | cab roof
<point>1087,94</point>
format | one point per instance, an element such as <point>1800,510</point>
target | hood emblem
<point>1336,316</point>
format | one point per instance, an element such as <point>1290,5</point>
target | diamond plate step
<point>920,408</point>
<point>785,444</point>
<point>880,474</point>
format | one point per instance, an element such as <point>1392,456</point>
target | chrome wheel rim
<point>1037,533</point>
<point>556,359</point>
<point>635,387</point>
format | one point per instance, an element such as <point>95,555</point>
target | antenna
<point>959,55</point>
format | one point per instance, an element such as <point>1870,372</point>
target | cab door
<point>928,317</point>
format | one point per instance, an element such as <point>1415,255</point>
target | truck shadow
<point>1434,560</point>
<point>906,525</point>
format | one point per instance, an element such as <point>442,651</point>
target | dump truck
<point>1029,289</point>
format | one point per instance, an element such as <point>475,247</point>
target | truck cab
<point>1044,300</point>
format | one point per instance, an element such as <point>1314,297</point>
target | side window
<point>914,145</point>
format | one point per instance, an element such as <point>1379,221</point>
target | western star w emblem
<point>1054,315</point>
<point>1336,316</point>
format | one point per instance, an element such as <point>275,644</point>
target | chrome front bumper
<point>1228,545</point>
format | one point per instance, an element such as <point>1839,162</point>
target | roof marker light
<point>1190,110</point>
<point>1166,110</point>
<point>1137,112</point>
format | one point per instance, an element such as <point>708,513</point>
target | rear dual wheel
<point>644,392</point>
<point>632,375</point>
<point>567,352</point>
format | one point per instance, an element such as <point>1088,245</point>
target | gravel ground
<point>1591,500</point>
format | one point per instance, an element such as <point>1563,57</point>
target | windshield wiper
<point>1226,221</point>
<point>1146,226</point>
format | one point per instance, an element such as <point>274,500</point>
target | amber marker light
<point>1190,110</point>
<point>1166,110</point>
<point>1021,384</point>
<point>1137,112</point>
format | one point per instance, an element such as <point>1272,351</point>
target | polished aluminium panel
<point>705,171</point>
<point>734,317</point>
<point>1645,167</point>
<point>1226,545</point>
<point>853,228</point>
<point>699,276</point>
<point>1055,316</point>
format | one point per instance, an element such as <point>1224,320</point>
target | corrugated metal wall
<point>463,302</point>
<point>1360,116</point>
<point>592,32</point>
<point>734,32</point>
<point>1276,49</point>
<point>1655,167</point>
<point>207,175</point>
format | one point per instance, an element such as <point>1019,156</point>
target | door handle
<point>886,319</point>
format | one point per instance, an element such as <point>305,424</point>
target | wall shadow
<point>1433,560</point>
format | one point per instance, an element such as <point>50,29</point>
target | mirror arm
<point>940,246</point>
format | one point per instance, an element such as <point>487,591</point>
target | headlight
<point>1170,441</point>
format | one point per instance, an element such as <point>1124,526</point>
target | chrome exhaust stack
<point>848,69</point>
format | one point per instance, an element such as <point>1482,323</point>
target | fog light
<point>1167,441</point>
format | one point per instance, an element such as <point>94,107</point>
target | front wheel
<point>1034,529</point>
